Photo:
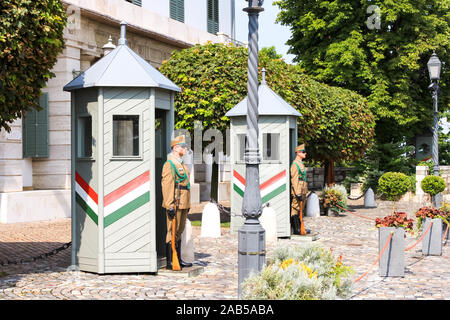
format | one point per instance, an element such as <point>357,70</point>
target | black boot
<point>295,222</point>
<point>182,263</point>
<point>169,255</point>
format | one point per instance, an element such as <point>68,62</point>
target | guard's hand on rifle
<point>171,213</point>
<point>299,197</point>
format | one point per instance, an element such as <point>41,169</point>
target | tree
<point>31,37</point>
<point>338,43</point>
<point>336,123</point>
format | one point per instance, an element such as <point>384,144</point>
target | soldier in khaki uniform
<point>176,196</point>
<point>299,190</point>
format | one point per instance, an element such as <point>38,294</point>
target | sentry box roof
<point>270,103</point>
<point>122,67</point>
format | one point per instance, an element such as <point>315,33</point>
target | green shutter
<point>177,10</point>
<point>213,16</point>
<point>35,131</point>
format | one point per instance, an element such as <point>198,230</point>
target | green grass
<point>198,223</point>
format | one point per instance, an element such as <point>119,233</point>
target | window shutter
<point>137,2</point>
<point>35,131</point>
<point>213,16</point>
<point>177,10</point>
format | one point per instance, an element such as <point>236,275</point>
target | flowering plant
<point>333,198</point>
<point>396,220</point>
<point>429,212</point>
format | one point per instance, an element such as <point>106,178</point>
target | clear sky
<point>270,33</point>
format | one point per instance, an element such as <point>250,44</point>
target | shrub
<point>393,185</point>
<point>306,272</point>
<point>433,185</point>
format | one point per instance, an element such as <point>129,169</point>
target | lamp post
<point>251,236</point>
<point>434,70</point>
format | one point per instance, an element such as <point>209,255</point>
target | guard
<point>299,190</point>
<point>176,201</point>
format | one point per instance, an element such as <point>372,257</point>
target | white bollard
<point>313,206</point>
<point>187,243</point>
<point>268,221</point>
<point>210,221</point>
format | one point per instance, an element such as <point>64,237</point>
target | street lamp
<point>251,236</point>
<point>434,70</point>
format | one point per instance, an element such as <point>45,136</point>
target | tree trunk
<point>329,173</point>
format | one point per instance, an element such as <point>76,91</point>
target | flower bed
<point>306,272</point>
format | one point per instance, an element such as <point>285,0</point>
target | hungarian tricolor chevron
<point>127,198</point>
<point>118,203</point>
<point>269,189</point>
<point>86,197</point>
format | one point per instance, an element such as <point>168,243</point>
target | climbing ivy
<point>336,123</point>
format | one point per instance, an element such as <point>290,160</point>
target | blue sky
<point>270,33</point>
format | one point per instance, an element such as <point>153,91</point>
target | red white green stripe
<point>127,198</point>
<point>86,197</point>
<point>269,189</point>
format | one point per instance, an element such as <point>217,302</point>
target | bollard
<point>210,221</point>
<point>313,206</point>
<point>369,199</point>
<point>187,243</point>
<point>268,221</point>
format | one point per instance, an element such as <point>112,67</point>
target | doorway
<point>160,158</point>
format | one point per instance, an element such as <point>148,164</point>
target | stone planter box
<point>332,213</point>
<point>392,262</point>
<point>432,241</point>
<point>444,228</point>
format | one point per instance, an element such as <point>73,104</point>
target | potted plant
<point>433,185</point>
<point>432,241</point>
<point>331,199</point>
<point>392,261</point>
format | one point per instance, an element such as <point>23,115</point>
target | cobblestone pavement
<point>426,277</point>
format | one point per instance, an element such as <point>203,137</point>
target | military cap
<point>180,140</point>
<point>300,148</point>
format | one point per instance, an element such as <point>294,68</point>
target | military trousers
<point>180,218</point>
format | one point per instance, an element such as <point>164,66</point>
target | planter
<point>332,213</point>
<point>432,241</point>
<point>392,261</point>
<point>444,228</point>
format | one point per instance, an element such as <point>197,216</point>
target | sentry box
<point>277,140</point>
<point>122,119</point>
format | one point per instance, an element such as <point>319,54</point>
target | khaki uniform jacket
<point>298,186</point>
<point>168,185</point>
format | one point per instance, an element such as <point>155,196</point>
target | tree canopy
<point>336,123</point>
<point>31,37</point>
<point>338,42</point>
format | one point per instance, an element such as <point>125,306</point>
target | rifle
<point>175,261</point>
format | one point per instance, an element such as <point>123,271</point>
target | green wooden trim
<point>126,209</point>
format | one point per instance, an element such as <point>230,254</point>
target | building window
<point>177,10</point>
<point>35,131</point>
<point>212,16</point>
<point>136,2</point>
<point>242,140</point>
<point>126,135</point>
<point>84,135</point>
<point>271,146</point>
